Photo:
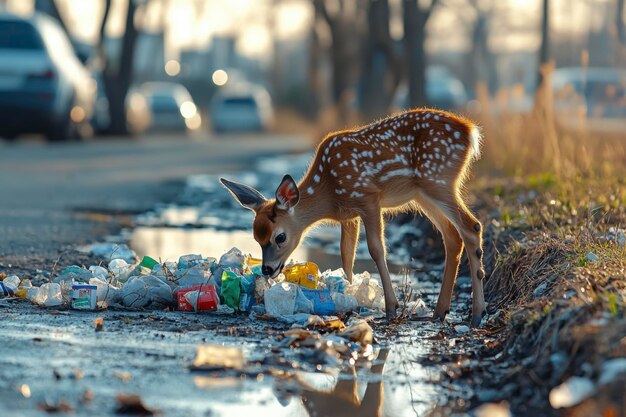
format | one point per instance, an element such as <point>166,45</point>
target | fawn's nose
<point>267,270</point>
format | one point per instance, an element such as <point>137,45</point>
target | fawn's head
<point>274,227</point>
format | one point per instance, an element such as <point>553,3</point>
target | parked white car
<point>241,108</point>
<point>44,88</point>
<point>171,106</point>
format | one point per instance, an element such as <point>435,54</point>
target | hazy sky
<point>194,22</point>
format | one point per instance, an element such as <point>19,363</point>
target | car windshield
<point>245,102</point>
<point>163,103</point>
<point>15,34</point>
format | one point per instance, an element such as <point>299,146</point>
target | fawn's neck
<point>313,207</point>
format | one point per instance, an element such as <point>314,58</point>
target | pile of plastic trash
<point>195,283</point>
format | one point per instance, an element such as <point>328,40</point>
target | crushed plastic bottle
<point>232,259</point>
<point>188,261</point>
<point>9,286</point>
<point>335,280</point>
<point>120,269</point>
<point>367,292</point>
<point>280,299</point>
<point>146,291</point>
<point>261,284</point>
<point>12,282</point>
<point>344,302</point>
<point>286,298</point>
<point>105,292</point>
<point>99,272</point>
<point>48,295</point>
<point>192,276</point>
<point>247,299</point>
<point>77,273</point>
<point>304,274</point>
<point>322,300</point>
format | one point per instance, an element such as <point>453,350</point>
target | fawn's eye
<point>281,238</point>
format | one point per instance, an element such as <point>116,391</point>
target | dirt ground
<point>63,360</point>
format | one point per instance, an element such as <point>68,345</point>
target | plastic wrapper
<point>146,291</point>
<point>47,295</point>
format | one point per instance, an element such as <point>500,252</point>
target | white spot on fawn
<point>309,190</point>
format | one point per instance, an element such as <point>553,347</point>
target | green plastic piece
<point>231,290</point>
<point>148,262</point>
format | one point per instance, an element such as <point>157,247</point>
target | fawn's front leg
<point>373,222</point>
<point>349,238</point>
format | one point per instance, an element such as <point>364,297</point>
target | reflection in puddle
<point>169,243</point>
<point>379,390</point>
<point>343,398</point>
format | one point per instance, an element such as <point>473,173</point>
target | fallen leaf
<point>61,407</point>
<point>99,324</point>
<point>87,396</point>
<point>132,404</point>
<point>359,332</point>
<point>123,376</point>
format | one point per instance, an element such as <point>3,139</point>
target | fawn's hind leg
<point>453,245</point>
<point>470,230</point>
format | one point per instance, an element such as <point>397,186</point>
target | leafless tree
<point>381,70</point>
<point>415,19</point>
<point>619,21</point>
<point>345,23</point>
<point>544,50</point>
<point>118,72</point>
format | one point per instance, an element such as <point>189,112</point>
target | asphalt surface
<point>52,358</point>
<point>43,186</point>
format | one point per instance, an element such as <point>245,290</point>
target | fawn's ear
<point>247,196</point>
<point>287,194</point>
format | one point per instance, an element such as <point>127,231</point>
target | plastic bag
<point>231,289</point>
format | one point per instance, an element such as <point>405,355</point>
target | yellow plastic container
<point>249,263</point>
<point>304,274</point>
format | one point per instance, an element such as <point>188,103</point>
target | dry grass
<point>549,195</point>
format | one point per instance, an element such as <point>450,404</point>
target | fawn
<point>415,160</point>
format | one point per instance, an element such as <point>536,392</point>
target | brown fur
<point>413,160</point>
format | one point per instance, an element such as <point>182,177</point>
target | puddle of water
<point>169,243</point>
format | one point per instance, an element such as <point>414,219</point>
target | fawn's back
<point>395,156</point>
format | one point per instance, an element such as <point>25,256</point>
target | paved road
<point>42,185</point>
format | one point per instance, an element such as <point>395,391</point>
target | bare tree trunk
<point>544,51</point>
<point>483,60</point>
<point>415,19</point>
<point>345,28</point>
<point>314,76</point>
<point>118,80</point>
<point>102,31</point>
<point>380,75</point>
<point>619,21</point>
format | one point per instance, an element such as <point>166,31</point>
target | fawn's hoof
<point>440,315</point>
<point>478,318</point>
<point>391,314</point>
